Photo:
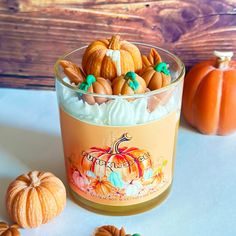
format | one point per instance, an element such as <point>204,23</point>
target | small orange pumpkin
<point>109,58</point>
<point>7,230</point>
<point>110,230</point>
<point>102,186</point>
<point>130,83</point>
<point>72,71</point>
<point>156,77</point>
<point>97,85</point>
<point>35,198</point>
<point>209,97</point>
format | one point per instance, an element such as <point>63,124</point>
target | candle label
<point>119,166</point>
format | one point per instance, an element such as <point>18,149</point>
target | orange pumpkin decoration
<point>109,58</point>
<point>35,198</point>
<point>156,77</point>
<point>102,186</point>
<point>97,85</point>
<point>129,162</point>
<point>209,98</point>
<point>129,84</point>
<point>111,230</point>
<point>6,230</point>
<point>72,71</point>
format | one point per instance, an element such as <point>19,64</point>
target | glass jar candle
<point>120,154</point>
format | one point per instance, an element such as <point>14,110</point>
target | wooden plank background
<point>34,33</point>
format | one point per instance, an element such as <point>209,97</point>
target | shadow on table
<point>185,125</point>
<point>32,149</point>
<point>4,182</point>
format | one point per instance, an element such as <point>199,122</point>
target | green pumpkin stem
<point>115,146</point>
<point>90,79</point>
<point>132,81</point>
<point>162,67</point>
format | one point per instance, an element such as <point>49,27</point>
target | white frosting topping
<point>119,111</point>
<point>115,57</point>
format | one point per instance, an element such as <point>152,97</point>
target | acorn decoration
<point>152,59</point>
<point>97,85</point>
<point>128,84</point>
<point>109,58</point>
<point>72,71</point>
<point>157,76</point>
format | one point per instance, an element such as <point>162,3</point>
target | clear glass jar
<point>120,155</point>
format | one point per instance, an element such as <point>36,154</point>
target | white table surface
<point>203,197</point>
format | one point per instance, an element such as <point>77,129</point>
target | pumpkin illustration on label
<point>118,163</point>
<point>102,186</point>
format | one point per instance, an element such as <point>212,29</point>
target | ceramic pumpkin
<point>102,186</point>
<point>96,85</point>
<point>209,97</point>
<point>128,84</point>
<point>157,76</point>
<point>72,71</point>
<point>35,198</point>
<point>6,230</point>
<point>103,161</point>
<point>109,58</point>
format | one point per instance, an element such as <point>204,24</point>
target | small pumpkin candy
<point>72,71</point>
<point>7,230</point>
<point>209,97</point>
<point>109,58</point>
<point>156,77</point>
<point>111,230</point>
<point>128,84</point>
<point>96,85</point>
<point>35,198</point>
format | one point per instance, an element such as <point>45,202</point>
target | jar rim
<point>147,94</point>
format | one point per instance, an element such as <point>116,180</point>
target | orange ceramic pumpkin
<point>97,85</point>
<point>129,84</point>
<point>35,198</point>
<point>209,98</point>
<point>129,162</point>
<point>72,71</point>
<point>109,58</point>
